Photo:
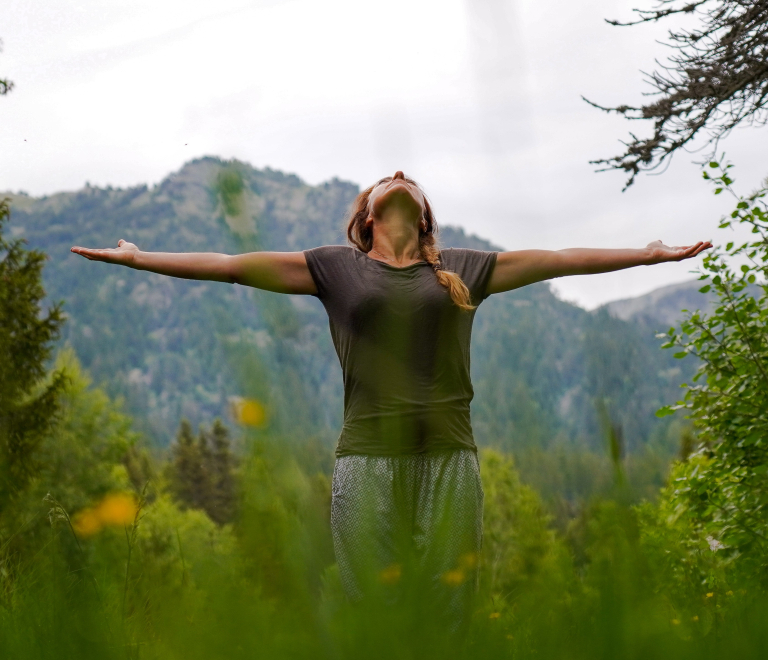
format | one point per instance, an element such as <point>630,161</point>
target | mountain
<point>663,305</point>
<point>173,348</point>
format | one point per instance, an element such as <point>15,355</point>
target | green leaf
<point>752,438</point>
<point>705,289</point>
<point>680,355</point>
<point>729,245</point>
<point>714,164</point>
<point>718,191</point>
<point>665,411</point>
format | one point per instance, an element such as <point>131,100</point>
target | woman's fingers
<point>700,247</point>
<point>86,252</point>
<point>122,254</point>
<point>689,251</point>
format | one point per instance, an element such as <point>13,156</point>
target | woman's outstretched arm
<point>283,272</point>
<point>516,269</point>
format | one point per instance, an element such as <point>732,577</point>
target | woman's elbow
<point>230,271</point>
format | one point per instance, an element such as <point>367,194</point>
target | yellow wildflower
<point>249,412</point>
<point>86,523</point>
<point>116,509</point>
<point>453,578</point>
<point>391,574</point>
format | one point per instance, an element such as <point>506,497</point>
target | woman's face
<point>396,191</point>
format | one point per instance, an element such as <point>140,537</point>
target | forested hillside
<point>174,348</point>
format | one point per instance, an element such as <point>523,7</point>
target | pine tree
<point>30,400</point>
<point>202,471</point>
<point>190,481</point>
<point>222,505</point>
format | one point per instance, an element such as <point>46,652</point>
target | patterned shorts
<point>409,527</point>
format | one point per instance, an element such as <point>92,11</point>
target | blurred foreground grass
<point>111,552</point>
<point>171,583</point>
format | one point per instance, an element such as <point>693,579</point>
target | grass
<point>170,584</point>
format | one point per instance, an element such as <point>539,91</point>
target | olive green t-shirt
<point>403,346</point>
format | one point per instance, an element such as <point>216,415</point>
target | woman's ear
<point>369,220</point>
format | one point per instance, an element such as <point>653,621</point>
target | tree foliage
<point>78,461</point>
<point>202,471</point>
<point>520,549</point>
<point>5,84</point>
<point>29,398</point>
<point>722,488</point>
<point>716,79</point>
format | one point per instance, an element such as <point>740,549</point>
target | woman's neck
<point>396,239</point>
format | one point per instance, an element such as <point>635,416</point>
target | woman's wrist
<point>135,261</point>
<point>648,257</point>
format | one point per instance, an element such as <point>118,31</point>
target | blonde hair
<point>360,235</point>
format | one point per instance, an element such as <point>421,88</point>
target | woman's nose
<point>399,175</point>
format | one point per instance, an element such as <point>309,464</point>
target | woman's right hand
<point>123,254</point>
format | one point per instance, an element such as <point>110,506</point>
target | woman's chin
<point>398,196</point>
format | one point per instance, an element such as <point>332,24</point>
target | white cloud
<point>478,99</point>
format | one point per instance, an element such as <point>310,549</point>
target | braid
<point>456,288</point>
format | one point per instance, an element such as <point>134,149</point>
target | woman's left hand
<point>661,253</point>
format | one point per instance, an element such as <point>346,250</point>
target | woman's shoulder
<point>340,250</point>
<point>465,256</point>
<point>337,253</point>
<point>331,264</point>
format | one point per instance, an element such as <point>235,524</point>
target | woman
<point>407,499</point>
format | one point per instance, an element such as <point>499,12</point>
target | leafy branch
<point>722,487</point>
<point>5,84</point>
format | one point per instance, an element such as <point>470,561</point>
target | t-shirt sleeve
<point>475,268</point>
<point>328,266</point>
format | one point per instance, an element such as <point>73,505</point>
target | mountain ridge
<point>173,348</point>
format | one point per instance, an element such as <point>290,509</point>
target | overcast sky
<point>479,100</point>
